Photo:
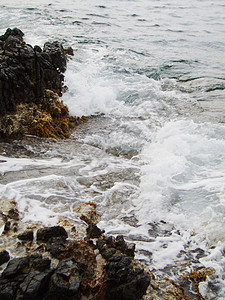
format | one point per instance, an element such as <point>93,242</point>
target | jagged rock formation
<point>31,81</point>
<point>80,271</point>
<point>26,72</point>
<point>64,262</point>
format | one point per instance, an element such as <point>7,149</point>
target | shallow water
<point>151,76</point>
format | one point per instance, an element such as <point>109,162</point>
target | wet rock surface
<point>25,278</point>
<point>31,81</point>
<point>26,72</point>
<point>44,234</point>
<point>65,281</point>
<point>125,282</point>
<point>78,272</point>
<point>57,265</point>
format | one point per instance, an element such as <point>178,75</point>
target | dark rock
<point>40,264</point>
<point>83,253</point>
<point>26,72</point>
<point>116,264</point>
<point>124,282</point>
<point>65,281</point>
<point>68,51</point>
<point>4,257</point>
<point>101,245</point>
<point>15,227</point>
<point>44,234</point>
<point>110,240</point>
<point>34,285</point>
<point>13,32</point>
<point>130,249</point>
<point>117,243</point>
<point>132,290</point>
<point>13,214</point>
<point>56,246</point>
<point>16,266</point>
<point>7,226</point>
<point>125,248</point>
<point>25,278</point>
<point>107,253</point>
<point>79,274</point>
<point>115,258</point>
<point>57,55</point>
<point>37,49</point>
<point>93,231</point>
<point>8,289</point>
<point>26,236</point>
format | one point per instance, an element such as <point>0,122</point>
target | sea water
<point>150,76</point>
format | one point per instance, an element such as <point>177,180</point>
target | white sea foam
<point>183,172</point>
<point>182,183</point>
<point>89,91</point>
<point>135,62</point>
<point>94,89</point>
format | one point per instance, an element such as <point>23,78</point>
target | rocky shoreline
<point>73,260</point>
<point>81,268</point>
<point>76,260</point>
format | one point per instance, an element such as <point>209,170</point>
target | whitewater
<point>149,74</point>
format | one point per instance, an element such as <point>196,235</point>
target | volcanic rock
<point>31,81</point>
<point>26,73</point>
<point>65,281</point>
<point>44,234</point>
<point>25,278</point>
<point>125,282</point>
<point>26,236</point>
<point>93,231</point>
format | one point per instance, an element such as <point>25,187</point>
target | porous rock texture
<point>78,272</point>
<point>64,262</point>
